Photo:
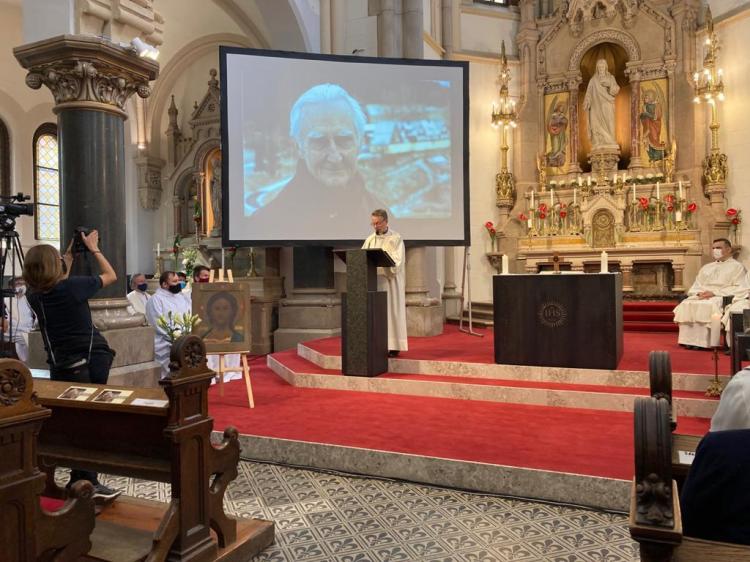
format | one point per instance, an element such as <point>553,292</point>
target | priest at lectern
<point>391,279</point>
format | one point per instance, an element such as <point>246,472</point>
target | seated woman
<point>714,501</point>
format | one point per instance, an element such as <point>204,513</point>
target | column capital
<point>87,72</point>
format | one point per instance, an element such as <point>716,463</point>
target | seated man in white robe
<point>739,304</point>
<point>138,297</point>
<point>391,279</point>
<point>166,299</point>
<point>699,315</point>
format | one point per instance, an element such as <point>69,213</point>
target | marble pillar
<point>451,296</point>
<point>424,314</point>
<point>91,80</point>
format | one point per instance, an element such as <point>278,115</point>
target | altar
<point>558,320</point>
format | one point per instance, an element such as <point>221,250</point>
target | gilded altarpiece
<point>601,83</point>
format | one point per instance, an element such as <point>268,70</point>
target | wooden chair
<point>29,531</point>
<point>167,440</point>
<point>655,517</point>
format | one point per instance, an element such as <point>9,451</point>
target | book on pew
<point>111,396</point>
<point>686,457</point>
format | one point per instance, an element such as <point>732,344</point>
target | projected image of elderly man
<point>327,126</point>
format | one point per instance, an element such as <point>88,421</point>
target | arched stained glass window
<point>47,184</point>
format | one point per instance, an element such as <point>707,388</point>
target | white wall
<point>22,109</point>
<point>734,135</point>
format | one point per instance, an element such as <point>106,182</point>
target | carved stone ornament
<point>625,40</point>
<point>149,181</point>
<point>505,189</point>
<point>188,356</point>
<point>715,169</point>
<point>87,72</point>
<point>12,386</point>
<point>16,389</point>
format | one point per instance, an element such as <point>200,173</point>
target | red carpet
<point>649,316</point>
<point>453,345</point>
<point>560,439</point>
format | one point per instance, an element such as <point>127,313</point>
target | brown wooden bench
<point>166,440</point>
<point>28,531</point>
<point>655,518</point>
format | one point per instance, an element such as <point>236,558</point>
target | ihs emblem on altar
<point>552,314</point>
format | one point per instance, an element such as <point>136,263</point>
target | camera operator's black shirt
<point>64,313</point>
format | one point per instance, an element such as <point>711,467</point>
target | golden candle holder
<point>715,388</point>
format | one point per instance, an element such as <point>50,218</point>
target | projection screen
<point>312,144</point>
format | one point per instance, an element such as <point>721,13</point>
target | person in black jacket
<point>76,351</point>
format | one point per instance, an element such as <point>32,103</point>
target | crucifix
<point>157,269</point>
<point>555,262</point>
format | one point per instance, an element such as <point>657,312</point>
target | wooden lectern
<point>558,320</point>
<point>364,314</point>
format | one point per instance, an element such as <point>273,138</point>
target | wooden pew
<point>655,518</point>
<point>168,442</point>
<point>29,532</point>
<point>660,379</point>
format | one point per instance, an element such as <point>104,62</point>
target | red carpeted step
<point>574,440</point>
<point>655,306</point>
<point>633,326</point>
<point>639,316</point>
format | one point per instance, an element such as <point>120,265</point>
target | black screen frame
<point>226,50</point>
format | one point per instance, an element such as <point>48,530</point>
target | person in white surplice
<point>391,279</point>
<point>166,299</point>
<point>700,314</point>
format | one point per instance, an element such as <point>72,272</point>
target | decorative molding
<point>623,39</point>
<point>87,72</point>
<point>149,180</point>
<point>500,12</point>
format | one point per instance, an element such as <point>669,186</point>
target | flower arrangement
<point>692,207</point>
<point>643,202</point>
<point>734,216</point>
<point>563,211</point>
<point>542,211</point>
<point>177,325</point>
<point>523,218</point>
<point>232,253</point>
<point>177,246</point>
<point>190,256</point>
<point>490,227</point>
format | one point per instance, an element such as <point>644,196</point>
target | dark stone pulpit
<point>364,314</point>
<point>558,320</point>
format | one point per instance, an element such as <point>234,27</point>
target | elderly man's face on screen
<point>329,143</point>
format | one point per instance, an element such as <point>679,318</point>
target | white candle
<point>158,249</point>
<point>657,190</point>
<point>505,264</point>
<point>678,216</point>
<point>604,262</point>
<point>624,177</point>
<point>588,181</point>
<point>532,200</point>
<point>574,195</point>
<point>615,180</point>
<point>680,185</point>
<point>715,329</point>
<point>528,223</point>
<point>580,181</point>
<point>222,258</point>
<point>633,193</point>
<point>551,197</point>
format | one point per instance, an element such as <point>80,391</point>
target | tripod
<point>10,248</point>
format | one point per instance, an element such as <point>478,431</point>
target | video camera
<point>12,207</point>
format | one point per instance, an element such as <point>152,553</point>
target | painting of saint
<point>557,138</point>
<point>652,117</point>
<point>224,310</point>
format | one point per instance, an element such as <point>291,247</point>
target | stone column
<point>573,166</point>
<point>627,278</point>
<point>91,80</point>
<point>451,297</point>
<point>314,309</point>
<point>679,270</point>
<point>635,129</point>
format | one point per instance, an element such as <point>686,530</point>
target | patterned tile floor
<point>331,517</point>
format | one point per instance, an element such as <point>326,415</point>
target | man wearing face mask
<point>138,297</point>
<point>21,316</point>
<point>700,313</point>
<point>166,299</point>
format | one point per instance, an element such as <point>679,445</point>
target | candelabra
<point>504,117</point>
<point>709,88</point>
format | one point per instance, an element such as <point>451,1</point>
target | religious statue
<point>599,105</point>
<point>541,167</point>
<point>669,162</point>
<point>651,121</point>
<point>216,194</point>
<point>557,125</point>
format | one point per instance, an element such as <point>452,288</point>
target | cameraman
<point>76,351</point>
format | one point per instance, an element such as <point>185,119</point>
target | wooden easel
<point>244,368</point>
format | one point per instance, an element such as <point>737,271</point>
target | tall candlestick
<point>633,193</point>
<point>657,190</point>
<point>678,216</point>
<point>158,249</point>
<point>680,186</point>
<point>551,197</point>
<point>574,195</point>
<point>615,179</point>
<point>505,264</point>
<point>588,181</point>
<point>580,181</point>
<point>604,262</point>
<point>222,258</point>
<point>528,222</point>
<point>532,200</point>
